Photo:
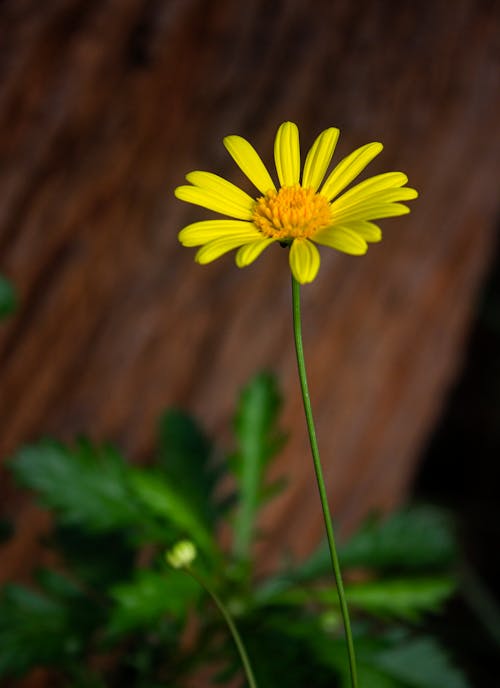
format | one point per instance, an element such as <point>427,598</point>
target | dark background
<point>460,471</point>
<point>106,104</point>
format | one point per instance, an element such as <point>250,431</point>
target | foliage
<point>8,298</point>
<point>258,441</point>
<point>113,613</point>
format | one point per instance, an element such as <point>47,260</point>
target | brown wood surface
<point>106,104</point>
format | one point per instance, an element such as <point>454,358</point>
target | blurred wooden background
<point>106,104</point>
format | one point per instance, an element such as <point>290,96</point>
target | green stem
<point>232,627</point>
<point>297,330</point>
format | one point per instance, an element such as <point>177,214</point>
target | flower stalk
<point>180,557</point>
<point>299,348</point>
<point>247,667</point>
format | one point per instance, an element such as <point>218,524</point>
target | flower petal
<point>367,230</point>
<point>304,260</point>
<point>373,185</point>
<point>216,248</point>
<point>287,154</point>
<point>212,201</point>
<point>364,196</point>
<point>199,233</point>
<point>370,211</point>
<point>342,239</point>
<point>349,168</point>
<point>319,158</point>
<point>249,162</point>
<point>212,182</point>
<point>248,253</point>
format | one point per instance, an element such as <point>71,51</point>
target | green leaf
<point>8,298</point>
<point>58,586</point>
<point>371,678</point>
<point>185,455</point>
<point>43,629</point>
<point>282,647</point>
<point>92,488</point>
<point>394,660</point>
<point>384,545</point>
<point>412,539</point>
<point>405,598</point>
<point>162,500</point>
<point>143,602</point>
<point>420,663</point>
<point>86,485</point>
<point>33,630</point>
<point>258,442</point>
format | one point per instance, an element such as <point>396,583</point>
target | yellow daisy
<point>301,212</point>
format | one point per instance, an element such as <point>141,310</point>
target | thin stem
<point>297,330</point>
<point>232,627</point>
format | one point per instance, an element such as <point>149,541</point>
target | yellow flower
<point>300,212</point>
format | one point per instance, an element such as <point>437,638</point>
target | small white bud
<point>181,555</point>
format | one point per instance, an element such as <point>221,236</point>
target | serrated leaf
<point>258,442</point>
<point>185,454</point>
<point>395,659</point>
<point>31,630</point>
<point>161,499</point>
<point>8,298</point>
<point>58,586</point>
<point>381,545</point>
<point>420,663</point>
<point>142,602</point>
<point>34,630</point>
<point>405,598</point>
<point>85,485</point>
<point>412,539</point>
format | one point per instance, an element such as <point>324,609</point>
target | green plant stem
<point>232,627</point>
<point>297,330</point>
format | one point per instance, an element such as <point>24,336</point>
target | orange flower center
<point>291,212</point>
